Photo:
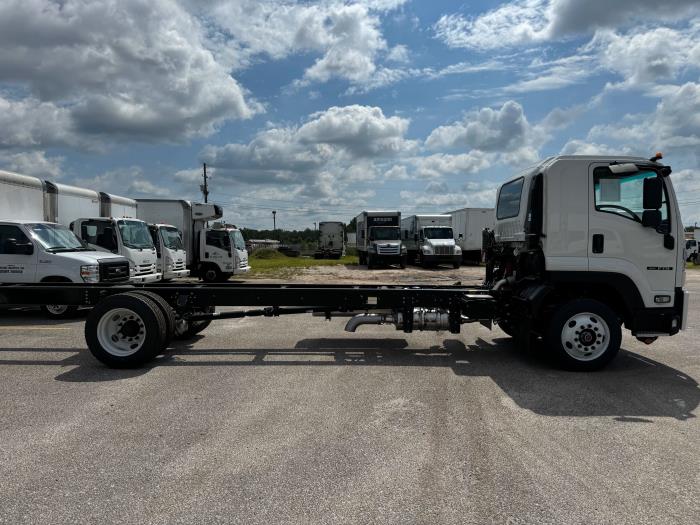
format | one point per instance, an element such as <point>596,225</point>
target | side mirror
<point>653,193</point>
<point>651,219</point>
<point>461,236</point>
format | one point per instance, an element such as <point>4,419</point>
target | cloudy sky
<point>321,109</point>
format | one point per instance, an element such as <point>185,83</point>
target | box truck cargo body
<point>379,238</point>
<point>213,254</point>
<point>429,240</point>
<point>331,240</point>
<point>468,225</point>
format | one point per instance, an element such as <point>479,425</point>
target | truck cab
<point>223,253</point>
<point>125,236</point>
<point>379,238</point>
<point>583,245</point>
<point>170,251</point>
<point>429,240</point>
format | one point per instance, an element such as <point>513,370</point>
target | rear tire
<point>125,330</point>
<point>166,310</point>
<point>59,311</point>
<point>584,335</point>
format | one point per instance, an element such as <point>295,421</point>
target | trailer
<point>467,225</point>
<point>331,240</point>
<point>543,282</point>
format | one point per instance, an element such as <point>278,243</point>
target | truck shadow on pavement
<point>631,390</point>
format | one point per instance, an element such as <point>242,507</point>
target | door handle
<point>598,243</point>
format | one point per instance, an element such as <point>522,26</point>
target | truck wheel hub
<point>585,336</point>
<point>121,332</point>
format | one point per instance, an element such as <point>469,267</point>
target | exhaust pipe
<point>361,319</point>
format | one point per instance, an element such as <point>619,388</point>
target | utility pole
<point>274,223</point>
<point>204,187</point>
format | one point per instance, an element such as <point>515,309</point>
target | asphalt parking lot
<point>292,420</point>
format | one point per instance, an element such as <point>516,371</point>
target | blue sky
<point>321,109</point>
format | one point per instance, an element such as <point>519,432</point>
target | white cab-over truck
<point>213,253</point>
<point>582,246</point>
<point>107,223</point>
<point>379,238</point>
<point>172,257</point>
<point>691,247</point>
<point>331,240</point>
<point>429,240</point>
<point>34,250</point>
<point>468,225</point>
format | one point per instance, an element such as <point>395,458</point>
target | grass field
<point>269,264</point>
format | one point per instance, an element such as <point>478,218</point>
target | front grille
<point>179,265</point>
<point>444,250</point>
<point>114,272</point>
<point>243,264</point>
<point>145,269</point>
<point>388,250</point>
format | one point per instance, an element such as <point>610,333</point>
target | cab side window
<point>10,237</point>
<point>508,205</point>
<point>218,239</point>
<point>623,194</point>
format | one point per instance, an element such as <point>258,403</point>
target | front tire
<point>211,274</point>
<point>584,335</point>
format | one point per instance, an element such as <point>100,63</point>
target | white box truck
<point>379,238</point>
<point>468,225</point>
<point>331,240</point>
<point>98,219</point>
<point>429,240</point>
<point>213,254</point>
<point>34,250</point>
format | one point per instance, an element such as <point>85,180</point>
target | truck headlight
<point>427,249</point>
<point>132,269</point>
<point>372,248</point>
<point>403,249</point>
<point>458,249</point>
<point>90,273</point>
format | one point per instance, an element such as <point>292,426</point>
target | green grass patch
<point>279,265</point>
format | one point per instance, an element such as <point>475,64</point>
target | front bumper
<point>243,269</point>
<point>148,278</point>
<point>442,259</point>
<point>176,274</point>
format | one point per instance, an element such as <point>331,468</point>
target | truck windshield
<point>438,233</point>
<point>237,240</point>
<point>135,234</point>
<point>171,238</point>
<point>384,233</point>
<point>56,238</point>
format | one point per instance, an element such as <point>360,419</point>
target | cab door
<point>619,243</point>
<point>18,255</point>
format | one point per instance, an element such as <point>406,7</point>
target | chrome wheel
<point>585,336</point>
<point>121,332</point>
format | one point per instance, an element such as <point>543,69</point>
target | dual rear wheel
<point>129,329</point>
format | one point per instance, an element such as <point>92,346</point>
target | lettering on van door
<point>12,268</point>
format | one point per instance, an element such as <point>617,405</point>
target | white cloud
<point>534,21</point>
<point>347,35</point>
<point>34,163</point>
<point>398,54</point>
<point>29,123</point>
<point>475,194</point>
<point>487,129</point>
<point>127,69</point>
<point>344,141</point>
<point>130,182</point>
